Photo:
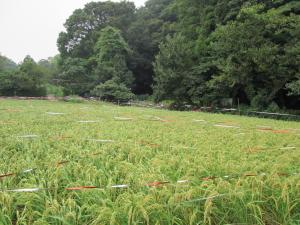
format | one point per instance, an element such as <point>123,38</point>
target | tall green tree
<point>172,69</point>
<point>75,77</point>
<point>112,53</point>
<point>238,49</point>
<point>258,54</point>
<point>78,45</point>
<point>51,68</point>
<point>83,25</point>
<point>111,71</point>
<point>151,25</point>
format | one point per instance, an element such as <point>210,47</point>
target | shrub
<point>74,99</point>
<point>259,102</point>
<point>56,91</point>
<point>112,91</point>
<point>273,107</point>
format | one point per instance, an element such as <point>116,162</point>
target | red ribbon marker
<point>283,174</point>
<point>99,153</point>
<point>250,175</point>
<point>146,143</point>
<point>208,178</point>
<point>280,131</point>
<point>7,175</point>
<point>157,183</point>
<point>62,163</point>
<point>265,129</point>
<point>275,131</point>
<point>80,188</point>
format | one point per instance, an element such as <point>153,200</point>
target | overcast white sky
<point>31,27</point>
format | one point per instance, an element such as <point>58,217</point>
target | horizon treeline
<point>196,52</point>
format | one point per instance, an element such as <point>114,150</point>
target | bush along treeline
<point>29,78</point>
<point>188,52</point>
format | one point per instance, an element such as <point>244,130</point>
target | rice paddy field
<point>96,163</point>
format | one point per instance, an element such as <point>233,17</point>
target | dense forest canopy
<point>196,52</point>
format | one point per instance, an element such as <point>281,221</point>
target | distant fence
<point>31,98</point>
<point>233,111</point>
<point>278,116</point>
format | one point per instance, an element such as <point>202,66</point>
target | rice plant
<point>97,163</point>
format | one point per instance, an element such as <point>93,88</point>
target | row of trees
<point>197,52</point>
<point>28,78</point>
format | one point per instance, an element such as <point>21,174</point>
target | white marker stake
<point>120,186</point>
<point>55,113</point>
<point>28,136</point>
<point>183,181</point>
<point>122,118</point>
<point>200,121</point>
<point>183,147</point>
<point>263,127</point>
<point>27,171</point>
<point>159,119</point>
<point>102,141</point>
<point>188,147</point>
<point>239,134</point>
<point>26,190</point>
<point>225,126</point>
